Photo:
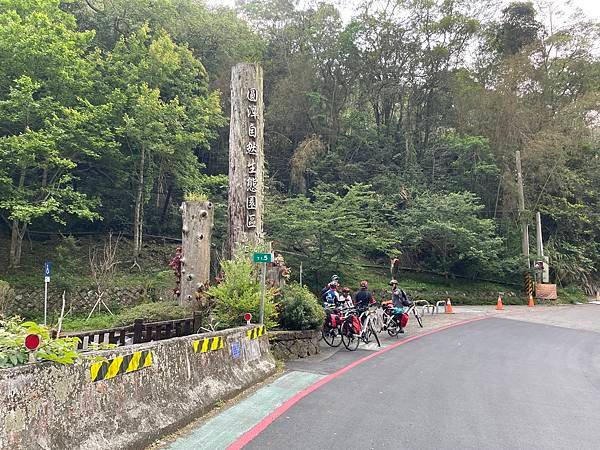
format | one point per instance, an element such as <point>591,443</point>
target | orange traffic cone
<point>499,305</point>
<point>531,303</point>
<point>449,307</point>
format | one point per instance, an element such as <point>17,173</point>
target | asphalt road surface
<point>492,384</point>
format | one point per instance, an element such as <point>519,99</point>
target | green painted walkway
<point>223,429</point>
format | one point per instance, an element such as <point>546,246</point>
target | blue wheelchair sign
<point>47,268</point>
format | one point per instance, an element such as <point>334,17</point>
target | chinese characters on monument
<point>251,151</point>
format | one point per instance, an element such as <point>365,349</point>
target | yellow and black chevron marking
<point>528,283</point>
<point>208,344</point>
<point>256,332</point>
<point>122,364</point>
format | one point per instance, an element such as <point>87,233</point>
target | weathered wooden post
<point>195,241</point>
<point>246,158</point>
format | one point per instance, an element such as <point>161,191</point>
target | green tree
<point>164,111</point>
<point>446,233</point>
<point>44,77</point>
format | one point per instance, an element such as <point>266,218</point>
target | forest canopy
<point>390,132</point>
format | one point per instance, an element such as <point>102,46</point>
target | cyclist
<point>346,298</point>
<point>399,300</point>
<point>363,297</point>
<point>326,289</point>
<point>332,296</point>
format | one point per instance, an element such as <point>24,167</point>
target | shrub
<point>12,344</point>
<point>299,309</point>
<point>239,293</point>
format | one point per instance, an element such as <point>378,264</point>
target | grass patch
<point>149,312</point>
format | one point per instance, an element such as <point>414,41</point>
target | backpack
<point>405,299</point>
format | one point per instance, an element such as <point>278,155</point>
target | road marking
<point>223,429</point>
<point>268,420</point>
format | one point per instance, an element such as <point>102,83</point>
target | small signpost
<point>264,259</point>
<point>32,342</point>
<point>47,269</point>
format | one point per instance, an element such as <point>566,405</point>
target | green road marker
<point>223,429</point>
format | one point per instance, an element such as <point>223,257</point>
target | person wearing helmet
<point>396,296</point>
<point>334,279</point>
<point>363,297</point>
<point>332,296</point>
<point>346,298</point>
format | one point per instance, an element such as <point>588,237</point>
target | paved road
<point>492,384</point>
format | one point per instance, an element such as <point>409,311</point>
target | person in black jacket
<point>363,297</point>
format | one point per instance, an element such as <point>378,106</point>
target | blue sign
<point>47,267</point>
<point>235,350</point>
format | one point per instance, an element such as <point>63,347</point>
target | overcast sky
<point>590,7</point>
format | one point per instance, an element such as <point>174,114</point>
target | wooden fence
<point>137,333</point>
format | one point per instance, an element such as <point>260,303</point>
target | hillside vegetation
<point>389,134</point>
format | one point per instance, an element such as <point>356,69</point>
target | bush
<point>299,309</point>
<point>239,293</point>
<point>12,344</point>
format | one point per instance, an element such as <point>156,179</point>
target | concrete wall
<point>51,406</point>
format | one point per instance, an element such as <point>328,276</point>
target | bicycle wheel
<point>393,328</point>
<point>331,336</point>
<point>348,338</point>
<point>374,333</point>
<point>418,317</point>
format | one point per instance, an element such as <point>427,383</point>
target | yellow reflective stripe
<point>205,345</point>
<point>215,344</point>
<point>113,369</point>
<point>220,343</point>
<point>196,344</point>
<point>148,361</point>
<point>134,364</point>
<point>95,369</point>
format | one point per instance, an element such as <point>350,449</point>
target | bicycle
<point>331,334</point>
<point>212,326</point>
<point>413,308</point>
<point>350,339</point>
<point>391,321</point>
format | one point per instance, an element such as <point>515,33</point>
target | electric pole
<point>523,219</point>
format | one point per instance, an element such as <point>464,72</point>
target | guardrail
<point>137,333</point>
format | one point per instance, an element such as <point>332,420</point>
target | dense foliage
<point>239,293</point>
<point>12,344</point>
<point>391,130</point>
<point>299,309</point>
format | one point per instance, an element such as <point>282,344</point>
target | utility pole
<point>524,225</point>
<point>538,235</point>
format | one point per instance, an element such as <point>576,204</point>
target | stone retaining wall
<point>294,344</point>
<point>28,301</point>
<point>165,385</point>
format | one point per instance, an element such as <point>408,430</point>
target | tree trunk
<point>196,235</point>
<point>16,244</point>
<point>246,158</point>
<point>139,204</point>
<point>17,234</point>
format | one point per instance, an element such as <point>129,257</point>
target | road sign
<point>263,257</point>
<point>32,342</point>
<point>47,269</point>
